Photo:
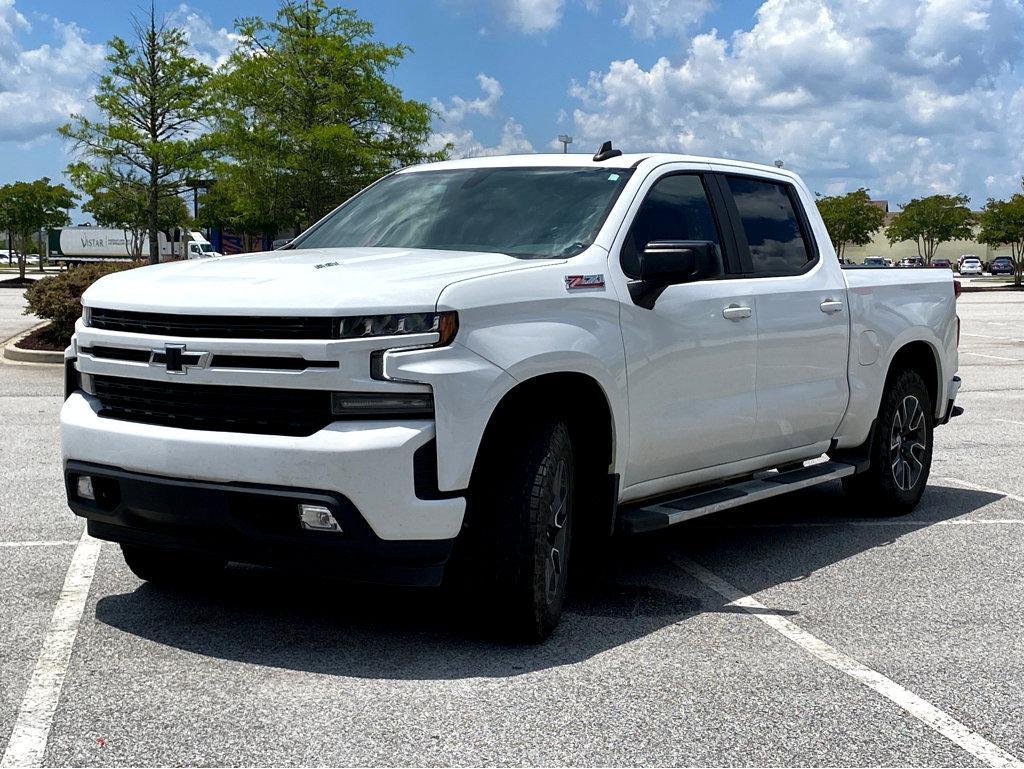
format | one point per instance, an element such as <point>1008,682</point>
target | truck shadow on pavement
<point>314,624</point>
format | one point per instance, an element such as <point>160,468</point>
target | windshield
<point>205,248</point>
<point>523,212</point>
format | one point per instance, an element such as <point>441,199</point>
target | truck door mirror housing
<point>666,262</point>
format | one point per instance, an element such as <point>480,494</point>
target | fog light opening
<point>318,518</point>
<point>83,487</point>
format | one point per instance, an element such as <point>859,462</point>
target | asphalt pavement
<point>844,635</point>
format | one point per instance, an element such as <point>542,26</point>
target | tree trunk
<point>152,55</point>
<point>154,236</point>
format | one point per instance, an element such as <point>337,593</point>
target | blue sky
<point>907,97</point>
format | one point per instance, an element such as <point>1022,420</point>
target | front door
<point>690,356</point>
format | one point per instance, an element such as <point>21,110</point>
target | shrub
<point>58,298</point>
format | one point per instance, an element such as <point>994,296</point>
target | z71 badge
<point>577,282</point>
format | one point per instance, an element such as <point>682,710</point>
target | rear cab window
<point>774,225</point>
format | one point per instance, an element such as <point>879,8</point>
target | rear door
<point>802,317</point>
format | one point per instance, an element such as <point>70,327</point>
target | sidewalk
<point>12,322</point>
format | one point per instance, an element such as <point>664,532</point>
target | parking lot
<point>798,631</point>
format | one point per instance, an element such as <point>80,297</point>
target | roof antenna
<point>606,152</point>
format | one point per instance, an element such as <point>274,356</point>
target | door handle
<point>735,312</point>
<point>830,306</point>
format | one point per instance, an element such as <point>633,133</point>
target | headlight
<point>444,324</point>
<point>86,316</point>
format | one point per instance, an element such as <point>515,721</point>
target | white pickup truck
<point>478,368</point>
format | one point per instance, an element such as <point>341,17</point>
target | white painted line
<point>989,336</point>
<point>1011,421</point>
<point>909,522</point>
<point>968,484</point>
<point>41,543</point>
<point>994,357</point>
<point>35,717</point>
<point>923,711</point>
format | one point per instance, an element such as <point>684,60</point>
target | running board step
<point>652,517</point>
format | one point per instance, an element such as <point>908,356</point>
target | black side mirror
<point>666,262</point>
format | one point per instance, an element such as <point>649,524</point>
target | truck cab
<point>198,247</point>
<point>477,369</point>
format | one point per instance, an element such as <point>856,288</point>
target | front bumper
<point>369,463</point>
<point>247,523</point>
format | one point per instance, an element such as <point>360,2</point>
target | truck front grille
<point>265,410</point>
<point>213,326</point>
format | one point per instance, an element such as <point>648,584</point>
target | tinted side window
<point>777,244</point>
<point>676,208</point>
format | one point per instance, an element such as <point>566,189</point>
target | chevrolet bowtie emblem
<point>177,359</point>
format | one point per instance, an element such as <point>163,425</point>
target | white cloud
<point>40,87</point>
<point>512,140</point>
<point>532,16</point>
<point>211,46</point>
<point>905,96</point>
<point>645,18</point>
<point>460,107</point>
<point>648,18</point>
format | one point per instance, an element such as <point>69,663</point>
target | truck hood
<point>322,281</point>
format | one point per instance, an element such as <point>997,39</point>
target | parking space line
<point>907,522</point>
<point>994,357</point>
<point>31,732</point>
<point>922,710</point>
<point>1011,421</point>
<point>40,543</point>
<point>968,484</point>
<point>989,336</point>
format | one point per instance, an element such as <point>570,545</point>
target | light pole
<point>778,164</point>
<point>566,141</point>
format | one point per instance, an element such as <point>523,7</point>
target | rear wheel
<point>521,529</point>
<point>900,452</point>
<point>162,567</point>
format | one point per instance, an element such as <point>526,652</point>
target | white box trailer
<point>74,245</point>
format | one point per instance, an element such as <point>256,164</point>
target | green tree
<point>155,101</point>
<point>850,218</point>
<point>1002,222</point>
<point>308,116</point>
<point>125,207</point>
<point>28,207</point>
<point>931,221</point>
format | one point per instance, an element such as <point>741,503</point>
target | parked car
<point>970,266</point>
<point>942,263</point>
<point>431,381</point>
<point>1001,265</point>
<point>875,261</point>
<point>911,261</point>
<point>962,257</point>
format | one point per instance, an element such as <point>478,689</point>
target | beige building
<point>952,250</point>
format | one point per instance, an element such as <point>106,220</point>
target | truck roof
<point>581,160</point>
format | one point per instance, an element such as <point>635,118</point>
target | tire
<point>900,452</point>
<point>162,567</point>
<point>521,523</point>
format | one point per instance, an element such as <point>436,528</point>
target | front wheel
<point>900,452</point>
<point>522,520</point>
